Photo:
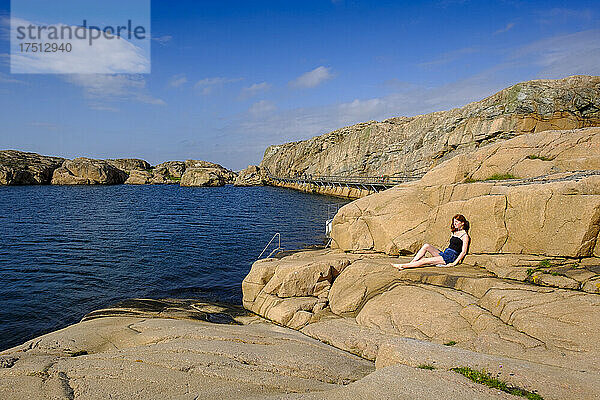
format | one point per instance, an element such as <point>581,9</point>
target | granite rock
<point>555,215</point>
<point>87,171</point>
<point>129,164</point>
<point>21,168</point>
<point>251,176</point>
<point>412,145</point>
<point>163,350</point>
<point>492,320</point>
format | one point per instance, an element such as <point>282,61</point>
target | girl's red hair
<point>461,218</point>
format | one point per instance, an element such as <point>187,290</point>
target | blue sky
<point>230,78</point>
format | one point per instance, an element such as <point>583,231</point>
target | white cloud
<point>312,78</point>
<point>4,27</point>
<point>206,85</point>
<point>555,57</point>
<point>361,109</point>
<point>563,55</point>
<point>102,89</point>
<point>177,80</point>
<point>507,28</point>
<point>261,107</point>
<point>254,89</point>
<point>107,56</point>
<point>303,123</point>
<point>245,138</point>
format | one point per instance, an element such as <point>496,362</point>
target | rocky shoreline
<point>22,168</point>
<point>187,349</point>
<point>524,306</point>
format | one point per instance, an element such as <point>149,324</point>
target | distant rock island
<point>21,168</point>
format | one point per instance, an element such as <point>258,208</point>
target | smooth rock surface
<point>557,215</point>
<point>133,351</point>
<point>87,171</point>
<point>405,383</point>
<point>530,326</point>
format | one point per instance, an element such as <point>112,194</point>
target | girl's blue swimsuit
<point>454,248</point>
<point>449,255</point>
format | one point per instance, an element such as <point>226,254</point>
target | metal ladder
<point>277,235</point>
<point>329,221</point>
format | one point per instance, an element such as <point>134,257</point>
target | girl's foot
<point>399,267</point>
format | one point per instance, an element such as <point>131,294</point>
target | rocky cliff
<point>412,145</point>
<point>533,194</point>
<point>251,176</point>
<point>20,168</point>
<point>523,306</point>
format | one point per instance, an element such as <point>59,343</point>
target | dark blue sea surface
<point>66,251</point>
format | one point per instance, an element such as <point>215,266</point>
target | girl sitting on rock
<point>454,254</point>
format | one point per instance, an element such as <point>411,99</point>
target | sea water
<point>68,250</point>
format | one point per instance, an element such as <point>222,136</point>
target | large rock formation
<point>185,349</point>
<point>139,177</point>
<point>202,177</point>
<point>174,350</point>
<point>20,168</point>
<point>204,173</point>
<point>412,145</point>
<point>524,305</point>
<point>169,172</point>
<point>87,171</point>
<point>251,176</point>
<point>137,170</point>
<point>129,164</point>
<point>554,214</point>
<point>527,333</point>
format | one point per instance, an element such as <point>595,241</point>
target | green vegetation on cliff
<point>483,378</point>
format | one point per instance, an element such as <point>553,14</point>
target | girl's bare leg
<point>421,263</point>
<point>424,249</point>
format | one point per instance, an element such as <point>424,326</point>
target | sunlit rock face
<point>412,145</point>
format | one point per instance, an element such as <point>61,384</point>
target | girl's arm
<point>463,253</point>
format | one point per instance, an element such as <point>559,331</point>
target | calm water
<point>66,251</point>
